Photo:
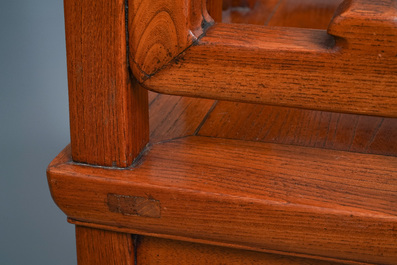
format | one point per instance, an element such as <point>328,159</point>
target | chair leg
<point>95,246</point>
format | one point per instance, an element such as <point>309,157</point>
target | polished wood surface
<point>100,88</point>
<point>103,247</point>
<point>346,132</point>
<point>309,201</point>
<point>173,117</point>
<point>292,201</point>
<point>252,122</point>
<point>305,68</point>
<point>164,251</point>
<point>366,25</point>
<point>162,29</point>
<point>298,69</point>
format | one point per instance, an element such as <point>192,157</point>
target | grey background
<point>34,128</point>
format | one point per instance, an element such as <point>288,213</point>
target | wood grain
<point>315,14</point>
<point>279,66</point>
<point>206,242</point>
<point>366,25</point>
<point>164,251</point>
<point>346,132</point>
<point>173,117</point>
<point>162,29</point>
<point>108,111</point>
<point>103,247</point>
<point>292,67</point>
<point>323,203</point>
<point>290,200</point>
<point>214,8</point>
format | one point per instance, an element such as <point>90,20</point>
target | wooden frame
<point>352,68</point>
<point>292,207</point>
<point>110,183</point>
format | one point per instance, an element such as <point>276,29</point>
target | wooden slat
<point>293,67</point>
<point>160,30</point>
<point>103,247</point>
<point>164,251</point>
<point>345,132</point>
<point>323,203</point>
<point>280,66</point>
<point>315,14</point>
<point>174,117</point>
<point>211,243</point>
<point>108,113</point>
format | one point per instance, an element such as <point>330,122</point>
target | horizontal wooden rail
<point>281,66</point>
<point>351,68</point>
<point>297,200</point>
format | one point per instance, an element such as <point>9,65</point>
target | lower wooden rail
<point>331,205</point>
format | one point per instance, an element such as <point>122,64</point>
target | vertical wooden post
<point>108,110</point>
<point>103,247</point>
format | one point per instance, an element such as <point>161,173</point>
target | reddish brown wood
<point>313,14</point>
<point>162,29</point>
<point>347,132</point>
<point>366,25</point>
<point>302,127</point>
<point>152,96</point>
<point>298,68</point>
<point>293,67</point>
<point>211,243</point>
<point>297,201</point>
<point>103,247</point>
<point>173,117</point>
<point>323,203</point>
<point>214,8</point>
<point>108,111</point>
<point>164,251</point>
<point>249,12</point>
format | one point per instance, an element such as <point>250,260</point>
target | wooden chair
<point>308,177</point>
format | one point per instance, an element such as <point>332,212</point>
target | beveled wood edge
<point>62,158</point>
<point>349,101</point>
<point>60,172</point>
<point>206,242</point>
